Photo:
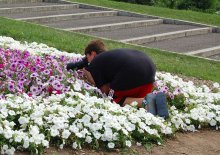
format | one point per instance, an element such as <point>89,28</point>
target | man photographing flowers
<point>130,73</point>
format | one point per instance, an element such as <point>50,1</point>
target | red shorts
<point>138,92</point>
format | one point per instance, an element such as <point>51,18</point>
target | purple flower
<point>26,54</point>
<point>21,62</point>
<point>11,87</point>
<point>35,90</point>
<point>171,96</point>
<point>55,83</point>
<point>155,92</point>
<point>177,91</point>
<point>48,63</point>
<point>59,78</point>
<point>39,81</point>
<point>58,87</point>
<point>62,58</point>
<point>33,75</point>
<point>33,69</point>
<point>13,66</point>
<point>52,78</point>
<point>66,89</point>
<point>87,86</point>
<point>46,72</point>
<point>20,67</point>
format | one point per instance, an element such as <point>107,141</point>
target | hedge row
<point>198,5</point>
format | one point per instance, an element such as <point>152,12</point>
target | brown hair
<point>95,45</point>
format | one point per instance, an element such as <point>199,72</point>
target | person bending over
<point>130,73</point>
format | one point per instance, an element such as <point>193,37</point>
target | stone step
<point>168,35</point>
<point>141,31</point>
<point>114,26</point>
<point>38,8</point>
<point>62,17</point>
<point>74,16</point>
<point>71,24</point>
<point>216,57</point>
<point>28,4</point>
<point>187,44</point>
<point>47,14</point>
<point>208,52</point>
<point>18,1</point>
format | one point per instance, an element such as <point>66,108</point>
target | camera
<point>77,65</point>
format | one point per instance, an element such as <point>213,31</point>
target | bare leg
<point>149,104</point>
<point>129,100</point>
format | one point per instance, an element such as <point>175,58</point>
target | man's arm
<point>104,88</point>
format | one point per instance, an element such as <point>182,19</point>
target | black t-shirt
<point>123,68</point>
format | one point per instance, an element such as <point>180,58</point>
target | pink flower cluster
<point>170,91</point>
<point>21,72</point>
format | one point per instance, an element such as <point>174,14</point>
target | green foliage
<point>218,5</point>
<point>178,102</point>
<point>217,102</point>
<point>167,3</point>
<point>145,2</point>
<point>203,5</point>
<point>197,5</point>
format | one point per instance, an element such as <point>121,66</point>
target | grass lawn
<point>205,18</point>
<point>74,42</point>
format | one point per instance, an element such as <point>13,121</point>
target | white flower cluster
<point>74,118</point>
<point>33,48</point>
<point>195,94</point>
<point>203,105</point>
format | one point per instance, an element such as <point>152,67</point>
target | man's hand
<point>89,77</point>
<point>105,88</point>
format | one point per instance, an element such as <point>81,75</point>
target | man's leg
<point>155,104</point>
<point>161,104</point>
<point>129,100</point>
<point>149,102</point>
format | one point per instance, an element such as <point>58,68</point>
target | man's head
<point>93,48</point>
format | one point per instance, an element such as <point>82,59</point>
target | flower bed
<point>43,104</point>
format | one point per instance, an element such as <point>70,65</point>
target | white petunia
<point>45,143</point>
<point>26,144</point>
<point>23,120</point>
<point>54,132</point>
<point>111,145</point>
<point>74,145</point>
<point>138,144</point>
<point>66,134</point>
<point>61,146</point>
<point>8,134</point>
<point>10,151</point>
<point>134,104</point>
<point>11,112</point>
<point>34,130</point>
<point>216,85</point>
<point>88,139</point>
<point>128,143</point>
<point>18,138</point>
<point>213,122</point>
<point>77,86</point>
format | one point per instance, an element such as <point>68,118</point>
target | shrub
<point>198,4</point>
<point>167,3</point>
<point>145,2</point>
